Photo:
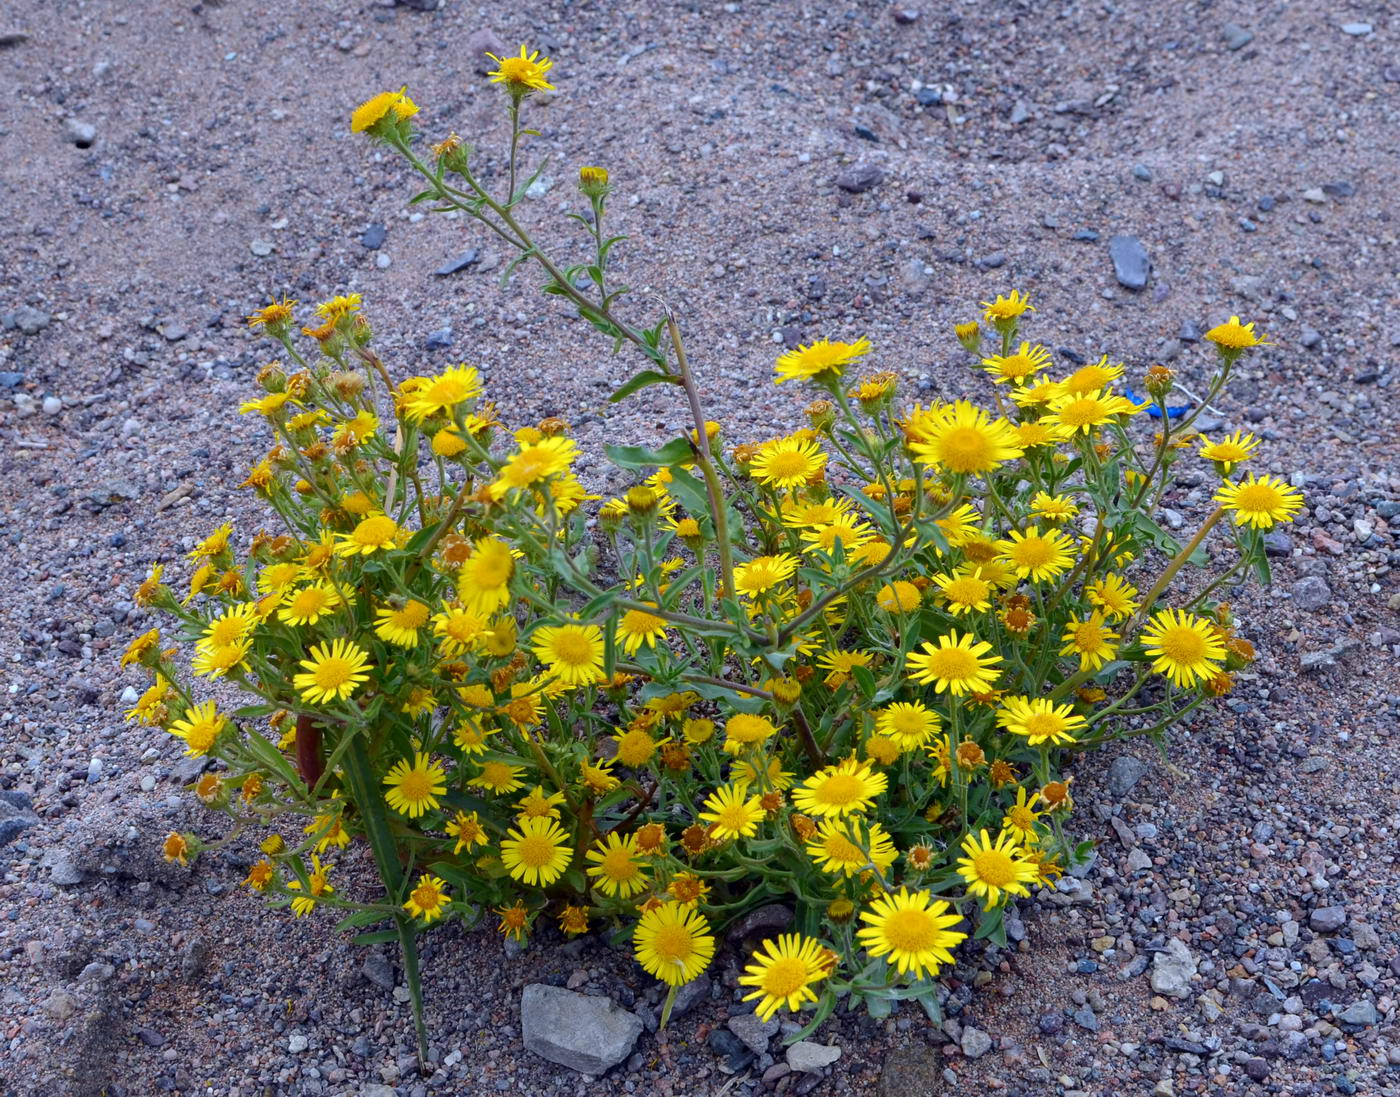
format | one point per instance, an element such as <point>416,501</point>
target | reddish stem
<point>309,751</point>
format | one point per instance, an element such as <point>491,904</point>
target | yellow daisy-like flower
<point>635,748</point>
<point>571,653</point>
<point>265,405</point>
<point>787,463</point>
<point>849,534</point>
<point>536,851</point>
<point>847,846</point>
<point>1260,502</point>
<point>534,463</point>
<point>598,778</point>
<point>901,596</point>
<point>1229,451</point>
<point>763,573</point>
<point>962,439</point>
<point>909,724</point>
<point>673,942</point>
<point>615,866</point>
<point>497,777</point>
<point>400,625</point>
<point>965,591</point>
<point>1233,337</point>
<point>483,583</point>
<point>637,628</point>
<point>1005,311</point>
<point>1113,595</point>
<point>812,513</point>
<point>216,662</point>
<point>524,74</point>
<point>744,730</point>
<point>317,886</point>
<point>1039,432</point>
<point>1184,647</point>
<point>373,534</point>
<point>731,812</point>
<point>458,630</point>
<point>1017,367</point>
<point>840,664</point>
<point>229,627</point>
<point>414,787</point>
<point>1020,817</point>
<point>515,921</point>
<point>200,727</point>
<point>310,604</point>
<point>1083,412</point>
<point>142,646</point>
<point>783,973</point>
<point>849,786</point>
<point>1090,378</point>
<point>150,706</point>
<point>428,899</point>
<point>355,431</point>
<point>995,869</point>
<point>956,664</point>
<point>333,672</point>
<point>573,920</point>
<point>274,315</point>
<point>538,804</point>
<point>1053,508</point>
<point>912,930</point>
<point>443,392</point>
<point>373,110</point>
<point>1039,720</point>
<point>1090,639</point>
<point>1035,555</point>
<point>822,359</point>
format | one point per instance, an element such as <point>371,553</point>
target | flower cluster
<point>840,668</point>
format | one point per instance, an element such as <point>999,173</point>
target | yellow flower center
<point>573,648</point>
<point>375,532</point>
<point>309,601</point>
<point>785,977</point>
<point>530,465</point>
<point>1082,412</point>
<point>617,864</point>
<point>673,944</point>
<point>841,788</point>
<point>333,672</point>
<point>412,616</point>
<point>733,817</point>
<point>1021,817</point>
<point>910,930</point>
<point>426,896</point>
<point>965,449</point>
<point>1258,497</point>
<point>967,590</point>
<point>496,774</point>
<point>1088,636</point>
<point>952,664</point>
<point>994,868</point>
<point>415,786</point>
<point>1043,724</point>
<point>787,465</point>
<point>907,722</point>
<point>226,630</point>
<point>635,748</point>
<point>535,851</point>
<point>1183,646</point>
<point>202,736</point>
<point>1033,552</point>
<point>838,847</point>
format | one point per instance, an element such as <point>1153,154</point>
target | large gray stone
<point>912,1071</point>
<point>585,1033</point>
<point>1123,774</point>
<point>1130,262</point>
<point>811,1057</point>
<point>1328,919</point>
<point>1173,969</point>
<point>1359,1013</point>
<point>1311,593</point>
<point>975,1043</point>
<point>753,1032</point>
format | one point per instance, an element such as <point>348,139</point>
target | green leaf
<point>422,196</point>
<point>377,937</point>
<point>360,918</point>
<point>639,457</point>
<point>272,758</point>
<point>638,381</point>
<point>991,925</point>
<point>865,680</point>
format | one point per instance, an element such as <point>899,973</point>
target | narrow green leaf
<point>645,379</point>
<point>639,457</point>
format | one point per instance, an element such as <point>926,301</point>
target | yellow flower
<point>176,847</point>
<point>673,942</point>
<point>847,787</point>
<point>150,706</point>
<point>1053,508</point>
<point>822,359</point>
<point>1091,640</point>
<point>483,583</point>
<point>1090,378</point>
<point>961,438</point>
<point>1082,412</point>
<point>846,847</point>
<point>1232,336</point>
<point>414,787</point>
<point>1035,555</point>
<point>994,870</point>
<point>1040,720</point>
<point>215,662</point>
<point>908,724</point>
<point>593,181</point>
<point>1260,502</point>
<point>399,625</point>
<point>573,920</point>
<point>744,730</point>
<point>787,463</point>
<point>458,630</point>
<point>635,748</point>
<point>524,74</point>
<point>277,314</point>
<point>141,647</point>
<point>453,386</point>
<point>498,777</point>
<point>260,875</point>
<point>1229,451</point>
<point>571,653</point>
<point>1184,647</point>
<point>957,664</point>
<point>515,920</point>
<point>615,868</point>
<point>428,899</point>
<point>731,813</point>
<point>763,573</point>
<point>783,973</point>
<point>1017,367</point>
<point>533,463</point>
<point>373,534</point>
<point>912,930</point>
<point>1020,817</point>
<point>370,112</point>
<point>199,728</point>
<point>310,604</point>
<point>536,851</point>
<point>334,671</point>
<point>598,779</point>
<point>965,590</point>
<point>467,829</point>
<point>636,628</point>
<point>901,596</point>
<point>1003,312</point>
<point>1113,595</point>
<point>317,885</point>
<point>697,731</point>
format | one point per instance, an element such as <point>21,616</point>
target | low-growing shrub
<point>839,669</point>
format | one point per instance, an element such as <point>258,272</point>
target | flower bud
<point>969,335</point>
<point>593,182</point>
<point>1158,381</point>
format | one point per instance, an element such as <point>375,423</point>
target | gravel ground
<point>167,167</point>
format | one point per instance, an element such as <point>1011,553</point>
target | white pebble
<point>52,405</point>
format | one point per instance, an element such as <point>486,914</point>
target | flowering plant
<point>839,669</point>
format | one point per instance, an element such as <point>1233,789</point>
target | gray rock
<point>15,818</point>
<point>1257,1068</point>
<point>28,319</point>
<point>913,1070</point>
<point>1173,969</point>
<point>975,1043</point>
<point>1236,37</point>
<point>1277,543</point>
<point>1123,775</point>
<point>861,178</point>
<point>811,1057</point>
<point>458,263</point>
<point>771,916</point>
<point>96,972</point>
<point>378,969</point>
<point>479,44</point>
<point>1142,172</point>
<point>691,994</point>
<point>297,1043</point>
<point>64,869</point>
<point>585,1033</point>
<point>1359,1013</point>
<point>1130,262</point>
<point>441,339</point>
<point>59,1005</point>
<point>374,236</point>
<point>1365,936</point>
<point>193,958</point>
<point>1020,112</point>
<point>1138,860</point>
<point>261,248</point>
<point>81,133</point>
<point>1084,1017</point>
<point>754,1033</point>
<point>1327,919</point>
<point>1357,30</point>
<point>1311,593</point>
